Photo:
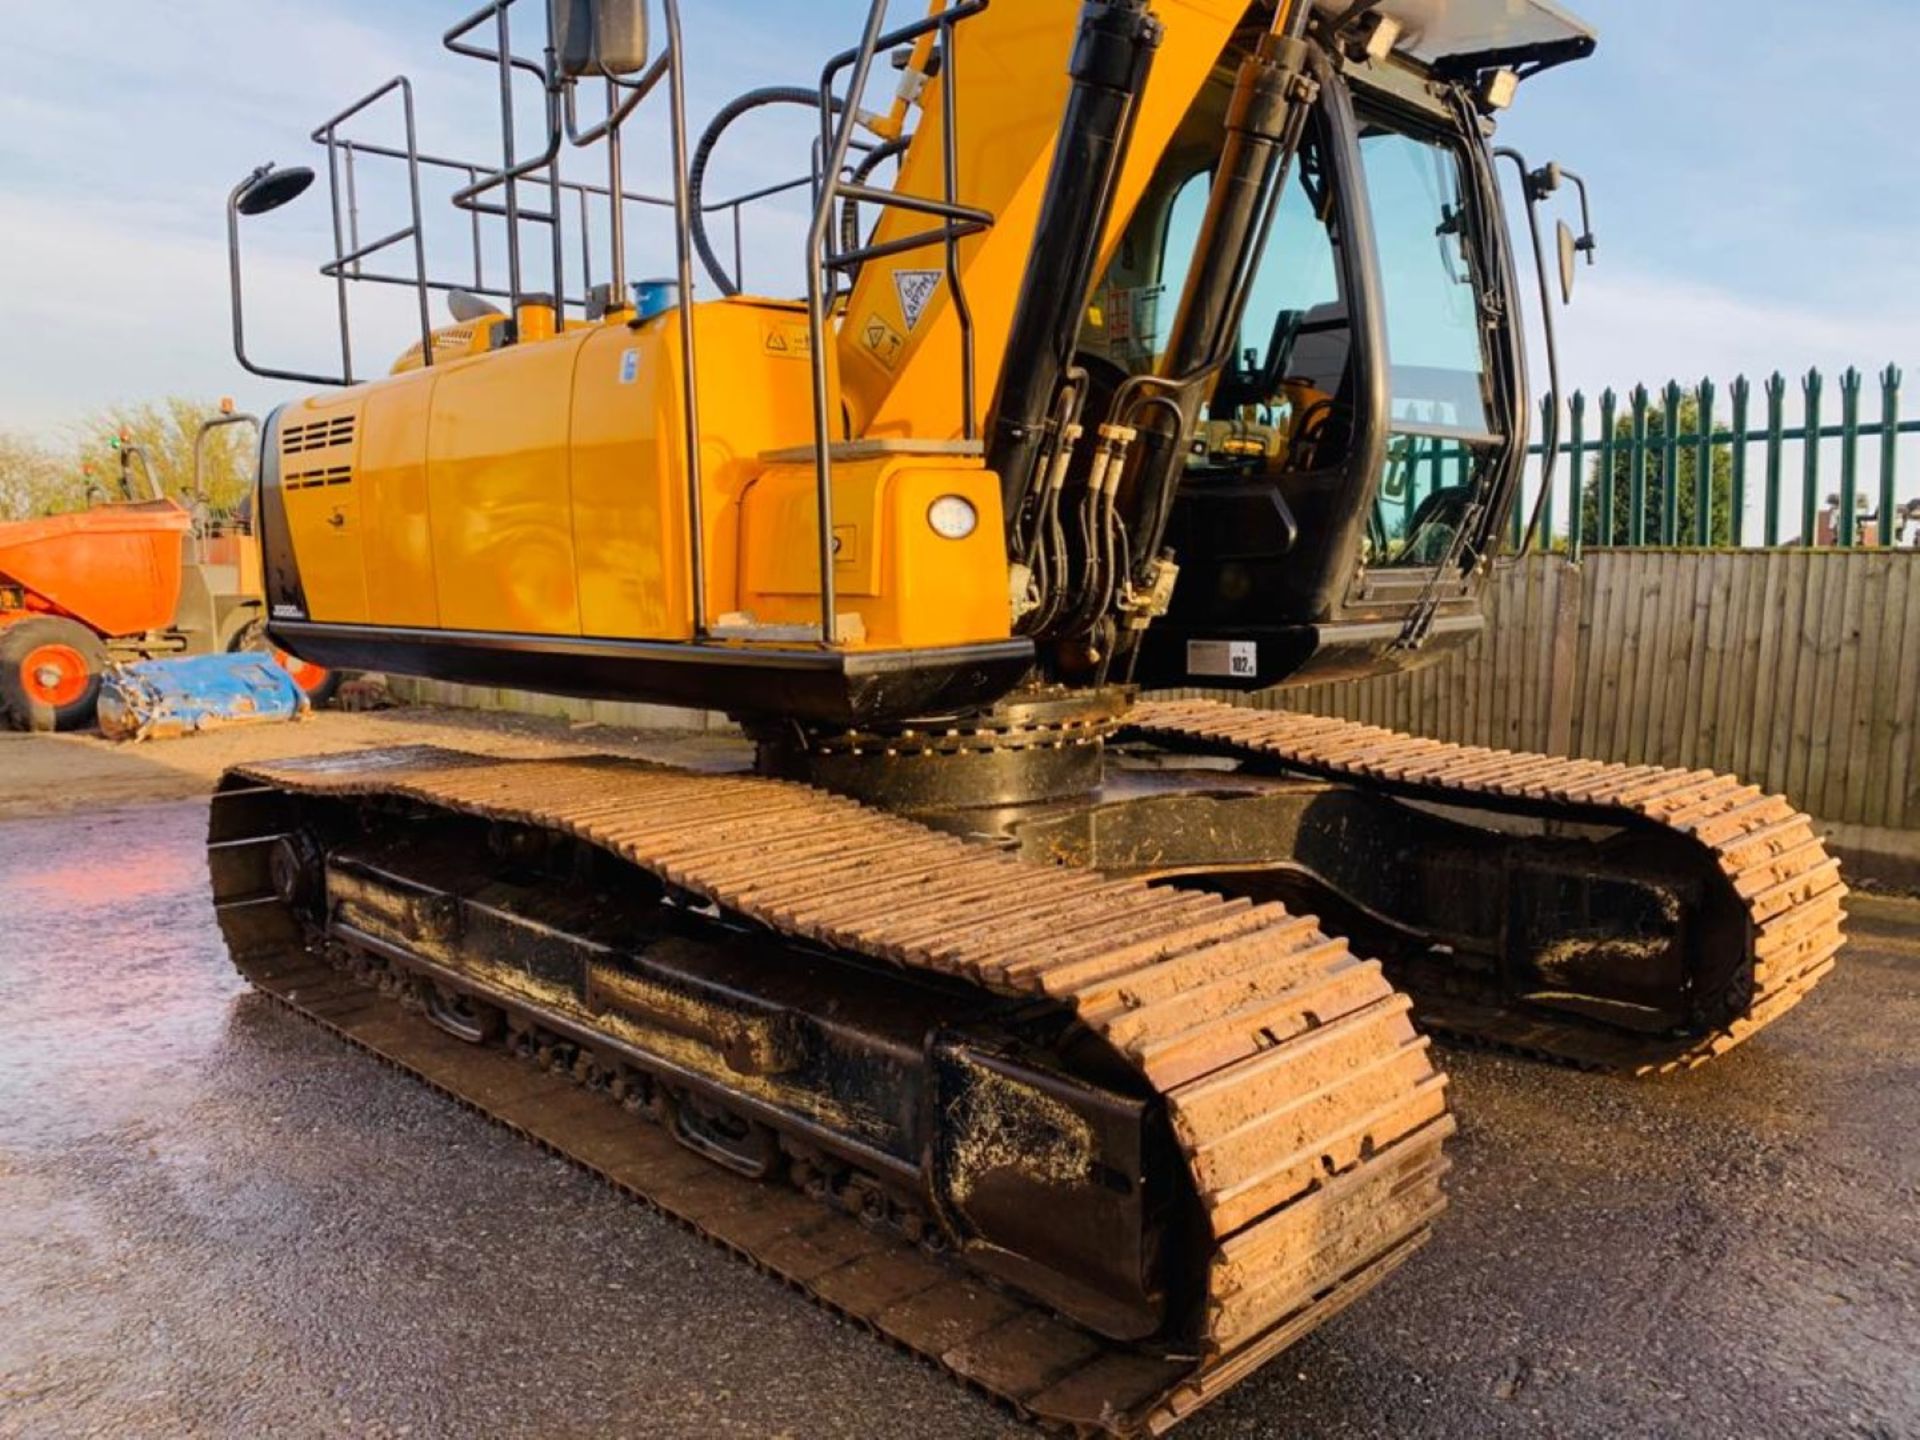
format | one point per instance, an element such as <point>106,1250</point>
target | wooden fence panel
<point>1798,670</point>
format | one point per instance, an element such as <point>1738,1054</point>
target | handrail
<point>327,134</point>
<point>825,262</point>
<point>836,140</point>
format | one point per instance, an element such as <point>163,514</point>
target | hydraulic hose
<point>703,156</point>
<point>1109,67</point>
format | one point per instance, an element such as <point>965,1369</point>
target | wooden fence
<point>1799,670</point>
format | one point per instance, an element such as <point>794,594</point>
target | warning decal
<point>883,342</point>
<point>788,341</point>
<point>916,288</point>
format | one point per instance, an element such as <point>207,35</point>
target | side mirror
<point>599,37</point>
<point>1569,255</point>
<point>268,189</point>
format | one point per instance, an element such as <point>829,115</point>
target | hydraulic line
<point>1110,65</point>
<point>703,157</point>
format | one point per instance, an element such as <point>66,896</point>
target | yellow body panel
<point>629,485</point>
<point>539,490</point>
<point>902,379</point>
<point>500,490</point>
<point>392,470</point>
<point>910,587</point>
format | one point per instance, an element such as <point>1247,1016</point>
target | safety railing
<point>530,189</point>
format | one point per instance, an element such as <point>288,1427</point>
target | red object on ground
<point>116,569</point>
<point>311,678</point>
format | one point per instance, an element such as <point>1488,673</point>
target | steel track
<point>1759,847</point>
<point>1306,1106</point>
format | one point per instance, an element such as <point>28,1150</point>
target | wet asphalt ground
<point>216,1221</point>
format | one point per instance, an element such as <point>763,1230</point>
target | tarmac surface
<point>217,1221</point>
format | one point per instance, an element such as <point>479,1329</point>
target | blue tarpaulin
<point>159,699</point>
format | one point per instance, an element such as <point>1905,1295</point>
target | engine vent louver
<point>313,479</point>
<point>317,435</point>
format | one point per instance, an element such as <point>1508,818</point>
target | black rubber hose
<point>703,155</point>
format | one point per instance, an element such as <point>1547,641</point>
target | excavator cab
<point>1356,462</point>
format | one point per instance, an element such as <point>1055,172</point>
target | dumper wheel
<point>318,683</point>
<point>50,672</point>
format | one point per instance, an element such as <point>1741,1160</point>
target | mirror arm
<point>1550,455</point>
<point>237,295</point>
<point>128,454</point>
<point>1587,244</point>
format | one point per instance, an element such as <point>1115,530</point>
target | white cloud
<point>1629,327</point>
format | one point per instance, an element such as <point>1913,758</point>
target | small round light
<point>953,517</point>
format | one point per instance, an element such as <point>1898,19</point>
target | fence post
<point>1703,469</point>
<point>1889,450</point>
<point>1670,466</point>
<point>1576,516</point>
<point>1439,462</point>
<point>1776,451</point>
<point>1562,677</point>
<point>1742,399</point>
<point>1848,529</point>
<point>1814,385</point>
<point>1547,427</point>
<point>1522,512</point>
<point>1637,471</point>
<point>1609,422</point>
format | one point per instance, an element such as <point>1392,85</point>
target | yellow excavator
<point>1147,346</point>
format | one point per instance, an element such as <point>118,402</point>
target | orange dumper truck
<point>129,579</point>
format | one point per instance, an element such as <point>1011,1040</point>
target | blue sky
<point>1753,206</point>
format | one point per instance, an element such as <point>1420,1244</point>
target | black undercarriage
<point>1529,908</point>
<point>899,1094</point>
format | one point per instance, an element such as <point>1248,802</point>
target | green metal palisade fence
<point>1728,453</point>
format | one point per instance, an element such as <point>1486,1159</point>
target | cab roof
<point>1483,34</point>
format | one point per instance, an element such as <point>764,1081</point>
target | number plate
<point>1223,659</point>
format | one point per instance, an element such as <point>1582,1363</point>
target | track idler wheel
<point>297,868</point>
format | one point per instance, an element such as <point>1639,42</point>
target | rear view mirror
<point>599,37</point>
<point>1569,254</point>
<point>268,189</point>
